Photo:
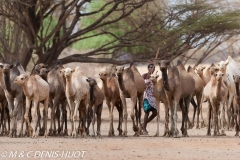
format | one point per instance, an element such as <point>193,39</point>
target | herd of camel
<point>58,87</point>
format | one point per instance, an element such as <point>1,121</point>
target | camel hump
<point>189,69</point>
<point>180,65</point>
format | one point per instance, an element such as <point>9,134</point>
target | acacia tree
<point>46,27</point>
<point>141,27</point>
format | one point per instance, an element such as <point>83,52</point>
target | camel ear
<point>62,70</point>
<point>87,80</point>
<point>73,70</point>
<point>218,64</point>
<point>45,66</point>
<point>168,63</point>
<point>226,63</point>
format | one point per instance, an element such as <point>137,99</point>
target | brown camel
<point>95,104</point>
<point>131,85</point>
<point>14,94</point>
<point>56,97</point>
<point>160,96</point>
<point>236,104</point>
<point>217,96</point>
<point>111,92</point>
<point>77,89</point>
<point>179,87</point>
<point>198,89</point>
<point>36,90</point>
<point>38,67</point>
<point>205,75</point>
<point>4,113</point>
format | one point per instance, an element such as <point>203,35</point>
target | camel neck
<point>2,82</point>
<point>7,81</point>
<point>91,90</point>
<point>219,85</point>
<point>237,88</point>
<point>105,88</point>
<point>121,84</point>
<point>69,88</point>
<point>26,89</point>
<point>165,80</point>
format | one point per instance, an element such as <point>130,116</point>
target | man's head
<point>151,67</point>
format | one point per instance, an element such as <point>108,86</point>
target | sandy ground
<point>196,146</point>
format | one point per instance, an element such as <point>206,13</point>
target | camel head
<point>119,70</point>
<point>91,81</point>
<point>219,75</point>
<point>44,72</point>
<point>236,78</point>
<point>67,72</point>
<point>213,70</point>
<point>1,67</point>
<point>223,65</point>
<point>103,75</point>
<point>21,79</point>
<point>7,67</point>
<point>199,69</point>
<point>163,64</point>
<point>39,66</point>
<point>154,77</point>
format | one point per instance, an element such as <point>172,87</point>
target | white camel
<point>77,89</point>
<point>230,67</point>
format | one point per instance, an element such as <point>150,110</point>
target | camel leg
<point>99,113</point>
<point>89,117</point>
<point>120,118</point>
<point>215,118</point>
<point>202,120</point>
<point>140,105</point>
<point>15,113</point>
<point>238,118</point>
<point>229,113</point>
<point>158,117</point>
<point>171,117</point>
<point>26,116</point>
<point>183,110</point>
<point>209,119</point>
<point>93,120</point>
<point>58,118</point>
<point>54,113</point>
<point>222,118</point>
<point>50,132</point>
<point>166,128</point>
<point>133,105</point>
<point>125,114</point>
<point>198,96</point>
<point>10,101</point>
<point>46,101</point>
<point>186,110</point>
<point>64,118</point>
<point>34,117</point>
<point>22,121</point>
<point>175,117</point>
<point>195,107</point>
<point>39,121</point>
<point>77,103</point>
<point>1,123</point>
<point>110,108</point>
